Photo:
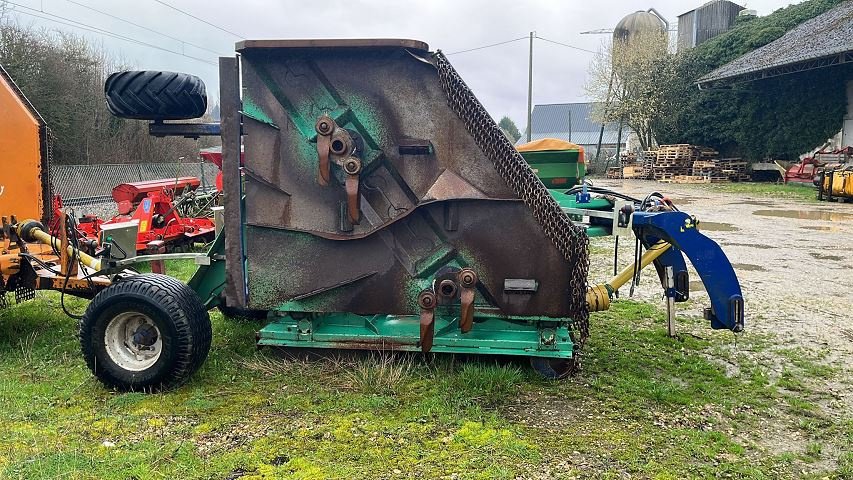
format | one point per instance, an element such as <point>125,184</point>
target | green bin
<point>559,164</point>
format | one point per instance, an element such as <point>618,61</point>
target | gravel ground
<point>794,261</point>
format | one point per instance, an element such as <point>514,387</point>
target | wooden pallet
<point>690,179</point>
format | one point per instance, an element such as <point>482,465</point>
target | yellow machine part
<point>842,183</point>
<point>21,162</point>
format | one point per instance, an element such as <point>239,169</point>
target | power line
<point>566,45</point>
<point>100,31</point>
<point>487,46</point>
<point>201,20</point>
<point>517,39</point>
<point>146,28</point>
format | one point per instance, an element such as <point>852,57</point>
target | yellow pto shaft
<point>598,297</point>
<point>33,231</point>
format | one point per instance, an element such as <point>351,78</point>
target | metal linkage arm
<point>680,230</point>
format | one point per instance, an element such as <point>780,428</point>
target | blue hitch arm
<point>680,230</point>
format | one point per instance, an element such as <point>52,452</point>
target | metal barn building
<point>571,122</point>
<point>706,22</point>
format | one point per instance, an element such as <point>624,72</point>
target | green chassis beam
<point>494,335</point>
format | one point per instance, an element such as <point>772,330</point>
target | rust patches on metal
<point>324,127</point>
<point>377,345</point>
<point>427,303</point>
<point>352,167</point>
<point>449,186</point>
<point>335,43</point>
<point>467,279</point>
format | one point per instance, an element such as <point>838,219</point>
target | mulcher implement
<point>371,202</point>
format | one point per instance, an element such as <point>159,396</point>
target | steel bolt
<point>426,299</point>
<point>467,277</point>
<point>352,166</point>
<point>323,126</point>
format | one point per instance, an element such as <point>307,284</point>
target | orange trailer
<point>24,155</point>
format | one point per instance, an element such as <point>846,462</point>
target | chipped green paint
<point>492,334</point>
<point>255,112</point>
<point>301,124</point>
<point>367,120</point>
<point>430,264</point>
<point>306,156</point>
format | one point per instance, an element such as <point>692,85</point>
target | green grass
<point>644,405</point>
<point>792,191</point>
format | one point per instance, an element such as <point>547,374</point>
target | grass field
<point>707,404</point>
<point>793,191</point>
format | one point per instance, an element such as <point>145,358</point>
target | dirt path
<point>794,261</point>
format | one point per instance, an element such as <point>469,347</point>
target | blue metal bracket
<point>715,270</point>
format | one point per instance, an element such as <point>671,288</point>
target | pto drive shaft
<point>598,297</point>
<point>33,231</point>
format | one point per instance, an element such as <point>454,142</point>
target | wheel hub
<point>133,341</point>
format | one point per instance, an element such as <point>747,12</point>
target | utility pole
<point>530,90</point>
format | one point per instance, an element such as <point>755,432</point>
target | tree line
<point>63,77</point>
<point>654,92</point>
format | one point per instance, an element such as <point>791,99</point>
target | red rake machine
<point>156,206</point>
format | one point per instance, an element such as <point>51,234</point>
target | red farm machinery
<point>168,211</point>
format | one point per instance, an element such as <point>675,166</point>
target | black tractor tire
<point>155,95</point>
<point>175,326</point>
<point>554,368</point>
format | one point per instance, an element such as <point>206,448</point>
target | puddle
<point>823,228</point>
<point>806,214</point>
<point>753,245</point>
<point>748,267</point>
<point>697,286</point>
<point>761,203</point>
<point>823,256</point>
<point>717,227</point>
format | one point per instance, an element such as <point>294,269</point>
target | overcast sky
<point>498,75</point>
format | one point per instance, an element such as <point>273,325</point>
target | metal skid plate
<point>428,196</point>
<point>494,335</point>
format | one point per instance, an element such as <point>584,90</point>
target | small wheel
<point>553,368</point>
<point>133,341</point>
<point>147,332</point>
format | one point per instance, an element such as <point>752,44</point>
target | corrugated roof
<point>570,122</point>
<point>708,4</point>
<point>822,41</point>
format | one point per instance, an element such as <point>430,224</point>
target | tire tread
<point>155,95</point>
<point>189,317</point>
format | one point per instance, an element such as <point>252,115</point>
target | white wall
<point>847,129</point>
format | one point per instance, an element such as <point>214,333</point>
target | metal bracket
<point>188,130</point>
<point>336,144</point>
<point>427,302</point>
<point>467,280</point>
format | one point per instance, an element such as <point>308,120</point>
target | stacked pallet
<point>630,167</point>
<point>707,153</point>
<point>680,163</point>
<point>708,171</point>
<point>613,172</point>
<point>647,160</point>
<point>674,161</point>
<point>633,167</point>
<point>734,169</point>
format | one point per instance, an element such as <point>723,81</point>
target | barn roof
<point>822,41</point>
<point>570,122</point>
